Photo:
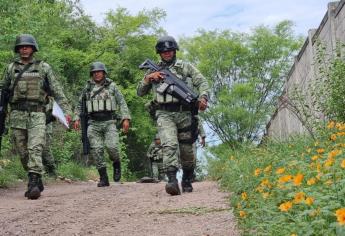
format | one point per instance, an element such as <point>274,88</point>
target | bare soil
<point>129,209</point>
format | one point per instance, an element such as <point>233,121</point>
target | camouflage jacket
<point>184,71</point>
<point>56,90</point>
<point>155,152</point>
<point>104,91</point>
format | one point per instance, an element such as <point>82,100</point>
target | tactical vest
<point>101,102</point>
<point>30,86</point>
<point>180,71</point>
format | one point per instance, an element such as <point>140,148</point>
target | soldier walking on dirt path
<point>29,83</point>
<point>175,119</point>
<point>104,103</point>
<point>155,155</point>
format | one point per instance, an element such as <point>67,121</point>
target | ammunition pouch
<point>28,107</point>
<point>173,107</point>
<point>101,116</point>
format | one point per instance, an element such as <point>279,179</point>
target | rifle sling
<point>100,89</point>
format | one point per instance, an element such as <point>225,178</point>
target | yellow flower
<point>265,195</point>
<point>331,125</point>
<point>329,162</point>
<point>320,150</point>
<point>268,169</point>
<point>285,178</point>
<point>342,164</point>
<point>311,181</point>
<point>333,137</point>
<point>244,196</point>
<point>309,150</point>
<point>334,153</point>
<point>280,171</point>
<point>315,157</point>
<point>242,214</point>
<point>266,182</point>
<point>257,171</point>
<point>299,197</point>
<point>309,201</point>
<point>340,213</point>
<point>329,182</point>
<point>298,179</point>
<point>285,206</point>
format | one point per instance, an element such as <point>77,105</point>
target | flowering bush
<point>291,188</point>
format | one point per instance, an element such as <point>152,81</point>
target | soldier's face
<point>157,141</point>
<point>168,55</point>
<point>98,76</point>
<point>25,51</point>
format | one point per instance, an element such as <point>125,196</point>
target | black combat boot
<point>51,171</point>
<point>117,170</point>
<point>103,177</point>
<point>34,186</point>
<point>172,186</point>
<point>187,179</point>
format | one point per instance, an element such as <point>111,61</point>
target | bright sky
<point>184,17</point>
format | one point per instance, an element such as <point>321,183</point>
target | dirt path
<point>129,209</point>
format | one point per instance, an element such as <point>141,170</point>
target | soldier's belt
<point>173,107</point>
<point>101,116</point>
<point>28,107</point>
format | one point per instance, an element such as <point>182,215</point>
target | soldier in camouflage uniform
<point>174,120</point>
<point>155,154</point>
<point>104,103</point>
<point>202,141</point>
<point>28,81</point>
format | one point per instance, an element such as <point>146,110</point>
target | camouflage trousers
<point>47,156</point>
<point>103,135</point>
<point>157,169</point>
<point>29,130</point>
<point>175,152</point>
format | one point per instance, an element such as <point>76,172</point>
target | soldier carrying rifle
<point>174,84</point>
<point>104,104</point>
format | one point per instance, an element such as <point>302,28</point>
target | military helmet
<point>25,39</point>
<point>98,66</point>
<point>166,43</point>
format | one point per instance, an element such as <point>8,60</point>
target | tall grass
<point>295,187</point>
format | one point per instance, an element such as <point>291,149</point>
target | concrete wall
<point>285,121</point>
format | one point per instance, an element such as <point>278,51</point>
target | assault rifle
<point>177,88</point>
<point>4,99</point>
<point>172,84</point>
<point>83,123</point>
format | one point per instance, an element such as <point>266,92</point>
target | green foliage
<point>247,72</point>
<point>285,188</point>
<point>329,85</point>
<point>74,171</point>
<point>11,171</point>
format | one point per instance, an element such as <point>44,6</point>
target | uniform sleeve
<point>6,78</point>
<point>124,111</point>
<point>199,81</point>
<point>56,89</point>
<point>143,87</point>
